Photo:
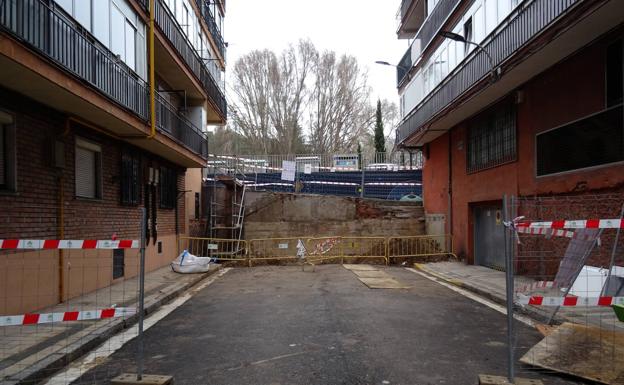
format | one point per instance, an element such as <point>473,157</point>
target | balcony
<point>179,128</point>
<point>521,27</point>
<point>173,32</point>
<point>68,46</point>
<point>411,16</point>
<point>206,13</point>
<point>424,37</point>
<point>59,39</point>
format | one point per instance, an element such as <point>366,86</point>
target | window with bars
<point>168,187</point>
<point>492,138</point>
<point>130,177</point>
<point>7,153</point>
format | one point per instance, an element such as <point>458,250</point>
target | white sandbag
<point>189,263</point>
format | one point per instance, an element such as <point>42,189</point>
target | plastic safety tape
<point>68,244</point>
<point>552,232</point>
<point>573,224</point>
<point>45,318</point>
<point>570,301</point>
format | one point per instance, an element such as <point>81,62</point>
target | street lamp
<point>494,71</point>
<point>385,63</point>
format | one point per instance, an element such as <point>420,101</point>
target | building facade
<point>101,115</point>
<point>533,109</point>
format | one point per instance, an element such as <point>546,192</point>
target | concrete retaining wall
<point>275,215</point>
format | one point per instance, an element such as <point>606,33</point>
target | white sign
<point>213,246</point>
<point>283,245</point>
<point>288,170</point>
<point>307,168</point>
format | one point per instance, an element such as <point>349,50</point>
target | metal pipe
<point>152,73</point>
<point>509,286</point>
<point>140,346</point>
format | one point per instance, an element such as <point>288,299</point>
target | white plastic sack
<point>189,263</point>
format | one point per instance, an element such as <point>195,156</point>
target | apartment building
<point>517,97</point>
<point>104,106</point>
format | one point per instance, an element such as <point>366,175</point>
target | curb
<point>57,361</point>
<point>529,312</point>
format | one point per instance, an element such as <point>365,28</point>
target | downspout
<point>152,74</point>
<point>450,185</point>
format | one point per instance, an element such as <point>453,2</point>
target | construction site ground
<point>281,325</point>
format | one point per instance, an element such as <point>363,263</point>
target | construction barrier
<point>352,248</point>
<point>218,249</point>
<point>323,248</point>
<point>420,246</point>
<point>273,249</point>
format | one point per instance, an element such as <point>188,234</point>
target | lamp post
<point>495,72</point>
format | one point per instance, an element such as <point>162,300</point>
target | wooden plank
<point>383,283</point>
<point>584,351</point>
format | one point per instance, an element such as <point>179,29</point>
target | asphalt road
<point>278,325</point>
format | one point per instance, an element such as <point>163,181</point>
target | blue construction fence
<point>403,185</point>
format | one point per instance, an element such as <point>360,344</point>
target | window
<point>118,263</point>
<point>467,34</point>
<point>197,205</point>
<point>592,141</point>
<point>130,45</point>
<point>101,21</point>
<point>130,178</point>
<point>7,152</point>
<point>88,169</point>
<point>168,188</point>
<point>492,138</point>
<point>614,74</point>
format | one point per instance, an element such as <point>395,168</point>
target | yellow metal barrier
<point>273,249</point>
<point>420,246</point>
<point>323,248</point>
<point>365,247</point>
<point>220,249</point>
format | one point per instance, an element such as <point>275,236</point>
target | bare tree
<point>339,108</point>
<point>271,95</point>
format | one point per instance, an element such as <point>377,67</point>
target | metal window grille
<point>130,178</point>
<point>168,187</point>
<point>118,263</point>
<point>2,158</point>
<point>492,139</point>
<point>592,141</point>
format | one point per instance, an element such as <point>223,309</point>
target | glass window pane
<point>82,13</point>
<point>479,25</point>
<point>101,21</point>
<point>504,8</point>
<point>67,5</point>
<point>491,18</point>
<point>130,45</point>
<point>118,25</point>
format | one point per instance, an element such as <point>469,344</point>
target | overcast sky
<point>365,29</point>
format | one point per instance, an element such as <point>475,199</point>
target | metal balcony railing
<point>172,30</point>
<point>425,35</point>
<point>176,126</point>
<point>206,13</point>
<point>55,36</point>
<point>523,24</point>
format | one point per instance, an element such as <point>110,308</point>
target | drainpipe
<point>450,183</point>
<point>152,76</point>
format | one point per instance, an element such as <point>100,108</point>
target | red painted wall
<point>568,91</point>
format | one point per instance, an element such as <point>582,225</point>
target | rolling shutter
<point>85,173</point>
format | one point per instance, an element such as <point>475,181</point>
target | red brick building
<point>79,156</point>
<point>544,117</point>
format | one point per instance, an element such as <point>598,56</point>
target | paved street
<point>278,325</point>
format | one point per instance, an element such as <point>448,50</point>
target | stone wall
<point>277,215</point>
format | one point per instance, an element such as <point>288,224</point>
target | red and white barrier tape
<point>573,224</point>
<point>553,232</point>
<point>45,318</point>
<point>570,301</point>
<point>68,244</point>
